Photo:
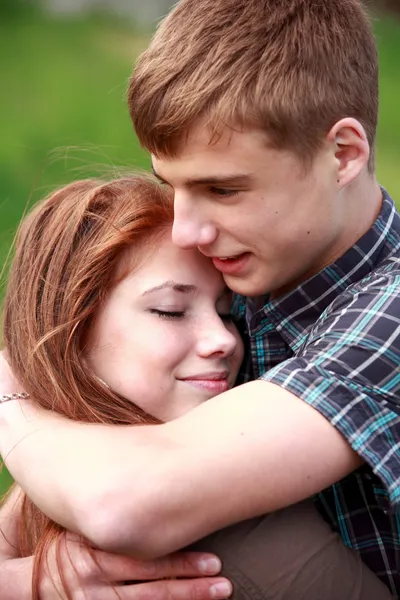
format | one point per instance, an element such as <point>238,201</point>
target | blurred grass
<point>387,32</point>
<point>64,114</point>
<point>62,106</point>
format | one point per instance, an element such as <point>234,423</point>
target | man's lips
<point>231,265</point>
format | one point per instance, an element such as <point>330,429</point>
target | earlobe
<point>351,149</point>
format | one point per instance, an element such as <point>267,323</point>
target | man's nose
<point>190,228</point>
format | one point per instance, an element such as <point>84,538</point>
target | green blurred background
<point>63,110</point>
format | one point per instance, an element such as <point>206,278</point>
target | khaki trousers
<point>292,554</point>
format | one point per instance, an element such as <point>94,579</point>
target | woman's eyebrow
<point>173,285</point>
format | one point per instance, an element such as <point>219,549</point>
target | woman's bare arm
<point>147,491</point>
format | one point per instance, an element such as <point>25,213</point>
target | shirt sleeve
<point>349,370</point>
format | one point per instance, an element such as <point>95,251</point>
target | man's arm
<point>147,491</point>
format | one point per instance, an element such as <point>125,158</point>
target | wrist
<point>18,419</point>
<point>10,423</point>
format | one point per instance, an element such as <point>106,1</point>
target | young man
<point>262,116</point>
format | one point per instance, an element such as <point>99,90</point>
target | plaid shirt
<point>334,342</point>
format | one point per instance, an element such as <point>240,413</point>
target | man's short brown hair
<point>291,68</point>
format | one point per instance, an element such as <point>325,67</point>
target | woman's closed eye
<point>167,314</point>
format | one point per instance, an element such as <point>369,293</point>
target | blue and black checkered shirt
<point>334,342</point>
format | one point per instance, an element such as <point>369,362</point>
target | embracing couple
<point>270,429</point>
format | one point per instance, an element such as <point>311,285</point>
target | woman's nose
<point>217,339</point>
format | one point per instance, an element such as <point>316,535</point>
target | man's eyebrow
<point>241,179</point>
<point>173,285</point>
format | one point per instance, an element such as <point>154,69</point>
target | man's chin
<point>245,286</point>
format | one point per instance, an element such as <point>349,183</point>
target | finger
<point>118,568</point>
<point>189,589</point>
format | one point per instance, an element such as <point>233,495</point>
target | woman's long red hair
<point>68,254</point>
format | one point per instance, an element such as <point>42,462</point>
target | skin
<point>165,338</point>
<point>15,572</point>
<point>271,445</point>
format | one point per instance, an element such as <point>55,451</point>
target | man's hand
<point>106,576</point>
<point>103,576</point>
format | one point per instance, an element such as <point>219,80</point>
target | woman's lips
<point>215,384</point>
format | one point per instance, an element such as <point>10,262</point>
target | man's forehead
<point>232,157</point>
<point>202,140</point>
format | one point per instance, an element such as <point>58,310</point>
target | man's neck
<point>362,203</point>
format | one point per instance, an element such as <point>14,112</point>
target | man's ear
<point>351,147</point>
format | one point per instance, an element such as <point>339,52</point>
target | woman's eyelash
<point>179,314</point>
<point>168,314</point>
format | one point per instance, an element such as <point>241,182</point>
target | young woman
<point>106,321</point>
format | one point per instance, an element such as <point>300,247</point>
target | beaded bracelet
<point>20,396</point>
